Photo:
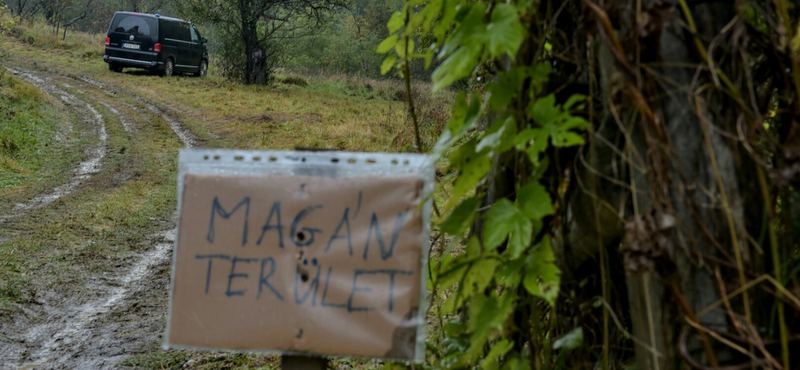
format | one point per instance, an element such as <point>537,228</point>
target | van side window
<point>166,28</point>
<point>195,37</point>
<point>183,32</point>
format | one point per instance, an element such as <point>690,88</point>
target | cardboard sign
<point>301,264</point>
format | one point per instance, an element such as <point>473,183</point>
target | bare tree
<point>24,8</point>
<point>86,8</point>
<point>143,6</point>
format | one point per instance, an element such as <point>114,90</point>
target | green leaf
<point>509,274</point>
<point>540,170</point>
<point>430,14</point>
<point>505,33</point>
<point>428,58</point>
<point>473,249</point>
<point>400,47</point>
<point>516,362</point>
<point>473,276</point>
<point>492,361</point>
<point>539,145</point>
<point>486,318</point>
<point>396,21</point>
<point>574,122</point>
<point>479,276</point>
<point>453,328</point>
<point>388,63</point>
<point>507,88</point>
<point>543,277</point>
<point>387,44</point>
<point>525,136</point>
<point>574,99</point>
<point>459,113</point>
<point>544,110</point>
<point>567,138</point>
<point>472,168</point>
<point>500,94</point>
<point>461,217</point>
<point>534,201</point>
<point>457,66</point>
<point>470,30</point>
<point>571,340</point>
<point>450,9</point>
<point>471,261</point>
<point>521,234</point>
<point>498,136</point>
<point>498,223</point>
<point>462,119</point>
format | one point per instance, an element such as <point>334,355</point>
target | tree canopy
<point>249,28</point>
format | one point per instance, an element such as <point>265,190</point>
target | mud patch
<point>88,339</point>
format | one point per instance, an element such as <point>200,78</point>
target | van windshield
<point>134,24</point>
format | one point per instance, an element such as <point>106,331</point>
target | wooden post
<point>294,362</point>
<point>291,362</point>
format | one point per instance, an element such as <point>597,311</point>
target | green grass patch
<point>29,134</point>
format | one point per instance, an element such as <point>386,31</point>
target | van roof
<point>153,16</point>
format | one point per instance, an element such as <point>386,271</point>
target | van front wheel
<point>169,66</point>
<point>202,69</point>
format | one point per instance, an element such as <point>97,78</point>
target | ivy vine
<point>498,261</point>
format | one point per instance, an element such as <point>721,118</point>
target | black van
<point>159,44</point>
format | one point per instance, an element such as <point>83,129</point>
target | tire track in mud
<point>66,346</point>
<point>187,137</point>
<point>84,170</point>
<point>76,333</point>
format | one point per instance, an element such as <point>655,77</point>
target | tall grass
<point>39,35</point>
<point>28,133</point>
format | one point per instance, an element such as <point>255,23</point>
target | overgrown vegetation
<point>645,247</point>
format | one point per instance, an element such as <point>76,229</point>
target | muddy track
<point>168,113</point>
<point>120,313</point>
<point>84,169</point>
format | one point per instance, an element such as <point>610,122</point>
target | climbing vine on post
<point>496,274</point>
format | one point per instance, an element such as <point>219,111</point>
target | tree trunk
<point>694,195</point>
<point>678,179</point>
<point>257,71</point>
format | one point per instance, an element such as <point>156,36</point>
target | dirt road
<point>91,318</point>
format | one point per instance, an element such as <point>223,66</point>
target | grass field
<point>113,215</point>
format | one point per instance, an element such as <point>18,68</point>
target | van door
<point>197,49</point>
<point>176,42</point>
<point>184,62</point>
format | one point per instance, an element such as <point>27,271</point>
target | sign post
<point>301,253</point>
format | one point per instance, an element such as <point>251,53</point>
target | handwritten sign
<point>310,264</point>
